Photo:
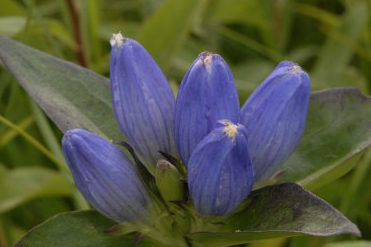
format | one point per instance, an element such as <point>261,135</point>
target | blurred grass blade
<point>57,30</point>
<point>248,12</point>
<point>250,43</point>
<point>317,13</point>
<point>11,134</point>
<point>339,47</point>
<point>164,32</point>
<point>11,8</point>
<point>46,131</point>
<point>11,26</point>
<point>23,184</point>
<point>73,97</point>
<point>338,131</point>
<point>33,142</point>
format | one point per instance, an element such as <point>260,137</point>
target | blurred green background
<point>331,40</point>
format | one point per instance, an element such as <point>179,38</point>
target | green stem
<point>164,228</point>
<point>33,141</point>
<point>11,134</point>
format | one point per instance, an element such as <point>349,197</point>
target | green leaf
<point>276,211</point>
<point>338,130</point>
<point>164,32</point>
<point>79,229</point>
<point>23,184</point>
<point>72,96</point>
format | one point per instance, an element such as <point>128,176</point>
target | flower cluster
<point>224,149</point>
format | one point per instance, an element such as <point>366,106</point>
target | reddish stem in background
<point>76,32</point>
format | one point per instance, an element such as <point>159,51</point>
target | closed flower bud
<point>206,95</point>
<point>169,181</point>
<point>142,100</point>
<point>220,174</point>
<point>106,177</point>
<point>275,116</point>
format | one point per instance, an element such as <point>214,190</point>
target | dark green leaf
<point>277,211</point>
<point>72,96</point>
<point>79,229</point>
<point>337,132</point>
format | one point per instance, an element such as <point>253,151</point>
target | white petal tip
<point>296,69</point>
<point>117,39</point>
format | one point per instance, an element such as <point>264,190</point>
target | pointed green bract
<point>169,182</point>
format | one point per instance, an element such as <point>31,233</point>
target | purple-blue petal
<point>206,95</point>
<point>220,174</point>
<point>142,100</point>
<point>105,176</point>
<point>275,116</point>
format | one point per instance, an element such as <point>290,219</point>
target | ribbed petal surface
<point>220,174</point>
<point>275,116</point>
<point>105,176</point>
<point>143,101</point>
<point>206,95</point>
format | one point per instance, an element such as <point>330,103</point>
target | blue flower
<point>224,148</point>
<point>106,177</point>
<point>275,116</point>
<point>142,100</point>
<point>206,95</point>
<point>220,174</point>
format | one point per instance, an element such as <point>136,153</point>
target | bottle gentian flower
<point>106,177</point>
<point>275,116</point>
<point>220,174</point>
<point>207,94</point>
<point>222,156</point>
<point>144,108</point>
<point>142,100</point>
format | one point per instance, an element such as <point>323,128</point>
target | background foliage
<point>329,39</point>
